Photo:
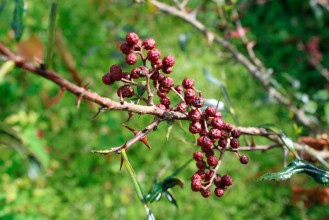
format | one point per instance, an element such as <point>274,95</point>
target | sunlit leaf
<point>326,112</point>
<point>299,166</point>
<point>17,23</point>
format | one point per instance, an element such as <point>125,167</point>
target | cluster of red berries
<point>215,133</point>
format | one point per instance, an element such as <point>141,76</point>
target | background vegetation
<point>75,184</point>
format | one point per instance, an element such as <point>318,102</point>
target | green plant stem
<point>137,186</point>
<point>51,33</point>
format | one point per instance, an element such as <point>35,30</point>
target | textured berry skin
<point>182,107</point>
<point>196,185</point>
<point>168,61</point>
<point>189,101</point>
<point>215,133</point>
<point>236,133</point>
<point>161,106</point>
<point>222,143</point>
<point>149,43</point>
<point>107,79</point>
<point>212,160</point>
<point>163,89</point>
<point>201,164</point>
<point>209,175</point>
<point>195,177</point>
<point>126,49</point>
<point>207,142</point>
<point>131,59</point>
<point>219,192</point>
<point>189,94</point>
<point>198,102</point>
<point>234,143</point>
<point>135,73</point>
<point>211,111</point>
<point>195,127</point>
<point>115,69</point>
<point>126,76</point>
<point>167,70</point>
<point>117,75</point>
<point>194,115</point>
<point>161,94</point>
<point>210,153</point>
<point>179,89</point>
<point>157,64</point>
<point>167,82</point>
<point>226,180</point>
<point>198,156</point>
<point>125,91</point>
<point>132,38</point>
<point>153,55</point>
<point>201,173</point>
<point>200,141</point>
<point>165,101</point>
<point>203,132</point>
<point>188,83</point>
<point>157,76</point>
<point>217,180</point>
<point>244,159</point>
<point>205,193</point>
<point>218,123</point>
<point>224,134</point>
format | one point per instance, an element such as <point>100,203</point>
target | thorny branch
<point>160,115</point>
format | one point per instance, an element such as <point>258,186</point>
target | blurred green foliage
<point>75,184</point>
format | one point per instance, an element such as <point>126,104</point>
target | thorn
<point>143,139</point>
<point>101,109</point>
<point>130,115</point>
<point>79,101</point>
<point>253,144</point>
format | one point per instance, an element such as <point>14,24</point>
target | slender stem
<point>51,32</point>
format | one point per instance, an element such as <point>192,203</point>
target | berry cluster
<point>215,135</point>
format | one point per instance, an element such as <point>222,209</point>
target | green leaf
<point>141,90</point>
<point>171,198</point>
<point>161,187</point>
<point>17,23</point>
<point>289,144</point>
<point>2,5</point>
<point>51,33</point>
<point>10,138</point>
<point>170,125</point>
<point>296,167</point>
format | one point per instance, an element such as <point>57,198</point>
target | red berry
<point>195,127</point>
<point>126,76</point>
<point>212,160</point>
<point>189,101</point>
<point>161,94</point>
<point>198,102</point>
<point>167,82</point>
<point>236,133</point>
<point>132,38</point>
<point>203,132</point>
<point>205,193</point>
<point>167,70</point>
<point>158,64</point>
<point>217,180</point>
<point>211,111</point>
<point>135,73</point>
<point>126,49</point>
<point>194,115</point>
<point>200,141</point>
<point>218,123</point>
<point>182,107</point>
<point>196,185</point>
<point>201,164</point>
<point>107,79</point>
<point>195,177</point>
<point>188,83</point>
<point>210,153</point>
<point>215,133</point>
<point>219,192</point>
<point>179,89</point>
<point>209,174</point>
<point>198,156</point>
<point>161,106</point>
<point>244,159</point>
<point>189,94</point>
<point>222,142</point>
<point>226,180</point>
<point>165,101</point>
<point>229,127</point>
<point>149,43</point>
<point>207,143</point>
<point>234,143</point>
<point>168,61</point>
<point>125,91</point>
<point>115,69</point>
<point>153,55</point>
<point>201,173</point>
<point>131,59</point>
<point>163,89</point>
<point>223,134</point>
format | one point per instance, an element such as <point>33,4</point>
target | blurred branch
<point>261,76</point>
